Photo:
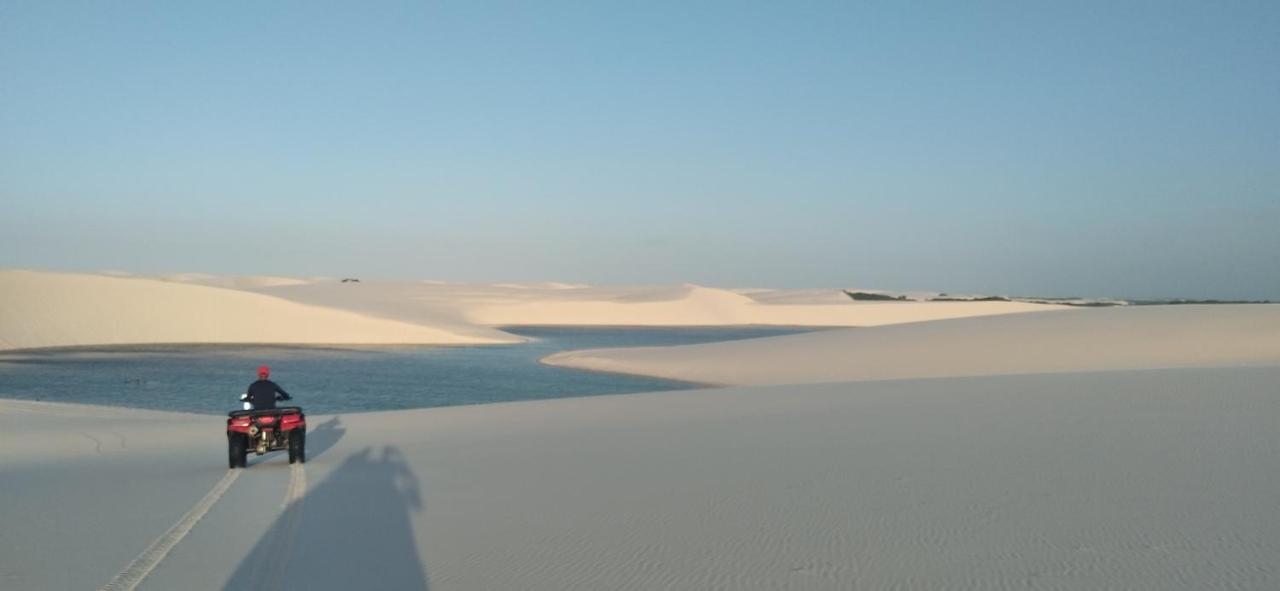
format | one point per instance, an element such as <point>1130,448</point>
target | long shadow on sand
<point>351,531</point>
<point>324,436</point>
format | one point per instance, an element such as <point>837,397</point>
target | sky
<point>1107,149</point>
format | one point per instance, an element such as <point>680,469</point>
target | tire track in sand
<point>133,574</point>
<point>270,574</point>
<point>286,533</point>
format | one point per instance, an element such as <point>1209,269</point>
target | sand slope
<point>508,305</point>
<point>1120,480</point>
<point>457,305</point>
<point>440,306</point>
<point>1075,340</point>
<point>41,309</point>
<point>60,309</point>
<point>693,305</point>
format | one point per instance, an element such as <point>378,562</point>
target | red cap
<point>264,371</point>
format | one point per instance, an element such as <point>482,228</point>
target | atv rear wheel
<point>298,446</point>
<point>237,450</point>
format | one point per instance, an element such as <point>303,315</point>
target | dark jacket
<point>263,394</point>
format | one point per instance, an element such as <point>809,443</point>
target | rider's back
<point>262,394</point>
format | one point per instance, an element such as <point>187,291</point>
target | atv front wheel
<point>297,446</point>
<point>237,450</point>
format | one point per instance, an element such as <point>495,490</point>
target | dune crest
<point>478,309</point>
<point>44,309</point>
<point>234,282</point>
<point>1076,340</point>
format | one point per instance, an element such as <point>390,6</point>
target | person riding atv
<point>262,428</point>
<point>264,393</point>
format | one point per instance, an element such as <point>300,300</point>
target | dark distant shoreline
<point>1057,301</point>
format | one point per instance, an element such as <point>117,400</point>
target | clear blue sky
<point>1059,148</point>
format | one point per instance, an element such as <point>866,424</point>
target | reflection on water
<point>327,380</point>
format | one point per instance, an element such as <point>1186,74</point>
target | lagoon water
<point>209,379</point>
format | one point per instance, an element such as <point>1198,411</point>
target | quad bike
<point>261,431</point>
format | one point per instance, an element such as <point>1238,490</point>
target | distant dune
<point>42,309</point>
<point>701,306</point>
<point>60,310</point>
<point>1075,340</point>
<point>235,282</point>
<point>663,305</point>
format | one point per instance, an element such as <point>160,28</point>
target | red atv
<point>266,430</point>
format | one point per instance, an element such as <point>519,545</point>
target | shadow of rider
<point>352,531</point>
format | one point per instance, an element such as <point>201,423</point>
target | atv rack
<point>271,411</point>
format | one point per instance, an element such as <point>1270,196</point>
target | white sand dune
<point>1116,480</point>
<point>61,309</point>
<point>703,306</point>
<point>235,282</point>
<point>440,306</point>
<point>495,305</point>
<point>40,309</point>
<point>1074,340</point>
